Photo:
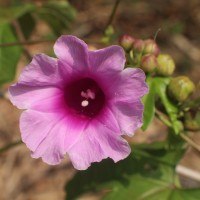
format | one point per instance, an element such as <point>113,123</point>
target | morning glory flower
<point>79,104</point>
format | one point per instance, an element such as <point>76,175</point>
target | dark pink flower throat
<point>84,97</point>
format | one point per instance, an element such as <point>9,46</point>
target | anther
<point>89,94</point>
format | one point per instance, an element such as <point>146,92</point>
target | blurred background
<point>30,27</point>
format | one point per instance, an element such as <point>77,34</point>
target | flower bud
<point>151,47</point>
<point>190,121</point>
<point>109,31</point>
<point>180,88</point>
<point>126,41</point>
<point>148,63</point>
<point>138,46</point>
<point>166,65</point>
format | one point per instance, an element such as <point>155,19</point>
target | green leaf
<point>27,24</point>
<point>9,56</point>
<point>157,87</point>
<point>10,13</point>
<point>58,15</point>
<point>137,177</point>
<point>149,104</point>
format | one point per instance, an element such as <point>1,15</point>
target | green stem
<point>9,146</point>
<point>163,118</point>
<point>111,17</point>
<point>32,42</point>
<point>10,44</point>
<point>194,104</point>
<point>190,141</point>
<point>21,38</point>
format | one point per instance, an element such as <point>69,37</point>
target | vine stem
<point>111,17</point>
<point>163,118</point>
<point>32,42</point>
<point>190,141</point>
<point>166,121</point>
<point>10,44</point>
<point>21,38</point>
<point>9,146</point>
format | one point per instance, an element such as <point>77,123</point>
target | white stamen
<point>84,94</point>
<point>84,103</point>
<point>89,94</point>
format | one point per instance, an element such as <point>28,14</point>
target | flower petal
<point>108,119</point>
<point>25,96</point>
<point>129,85</point>
<point>110,58</point>
<point>35,126</point>
<point>49,136</point>
<point>72,51</point>
<point>41,71</point>
<point>129,116</point>
<point>97,142</point>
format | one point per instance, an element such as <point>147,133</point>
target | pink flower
<point>80,104</point>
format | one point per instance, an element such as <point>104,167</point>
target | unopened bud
<point>151,47</point>
<point>148,63</point>
<point>126,41</point>
<point>180,88</point>
<point>190,122</point>
<point>166,65</point>
<point>109,31</point>
<point>138,46</point>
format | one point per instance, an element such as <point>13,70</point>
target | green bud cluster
<point>138,46</point>
<point>181,108</point>
<point>148,51</point>
<point>190,123</point>
<point>146,55</point>
<point>166,65</point>
<point>148,63</point>
<point>151,47</point>
<point>126,41</point>
<point>180,88</point>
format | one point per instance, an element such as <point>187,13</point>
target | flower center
<point>84,97</point>
<point>87,95</point>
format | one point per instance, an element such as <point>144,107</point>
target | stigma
<point>84,103</point>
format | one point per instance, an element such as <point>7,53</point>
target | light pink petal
<point>52,104</point>
<point>129,116</point>
<point>100,139</point>
<point>110,58</point>
<point>112,144</point>
<point>85,151</point>
<point>72,51</point>
<point>97,142</point>
<point>41,71</point>
<point>49,136</point>
<point>25,96</point>
<point>128,85</point>
<point>132,85</point>
<point>35,126</point>
<point>108,119</point>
